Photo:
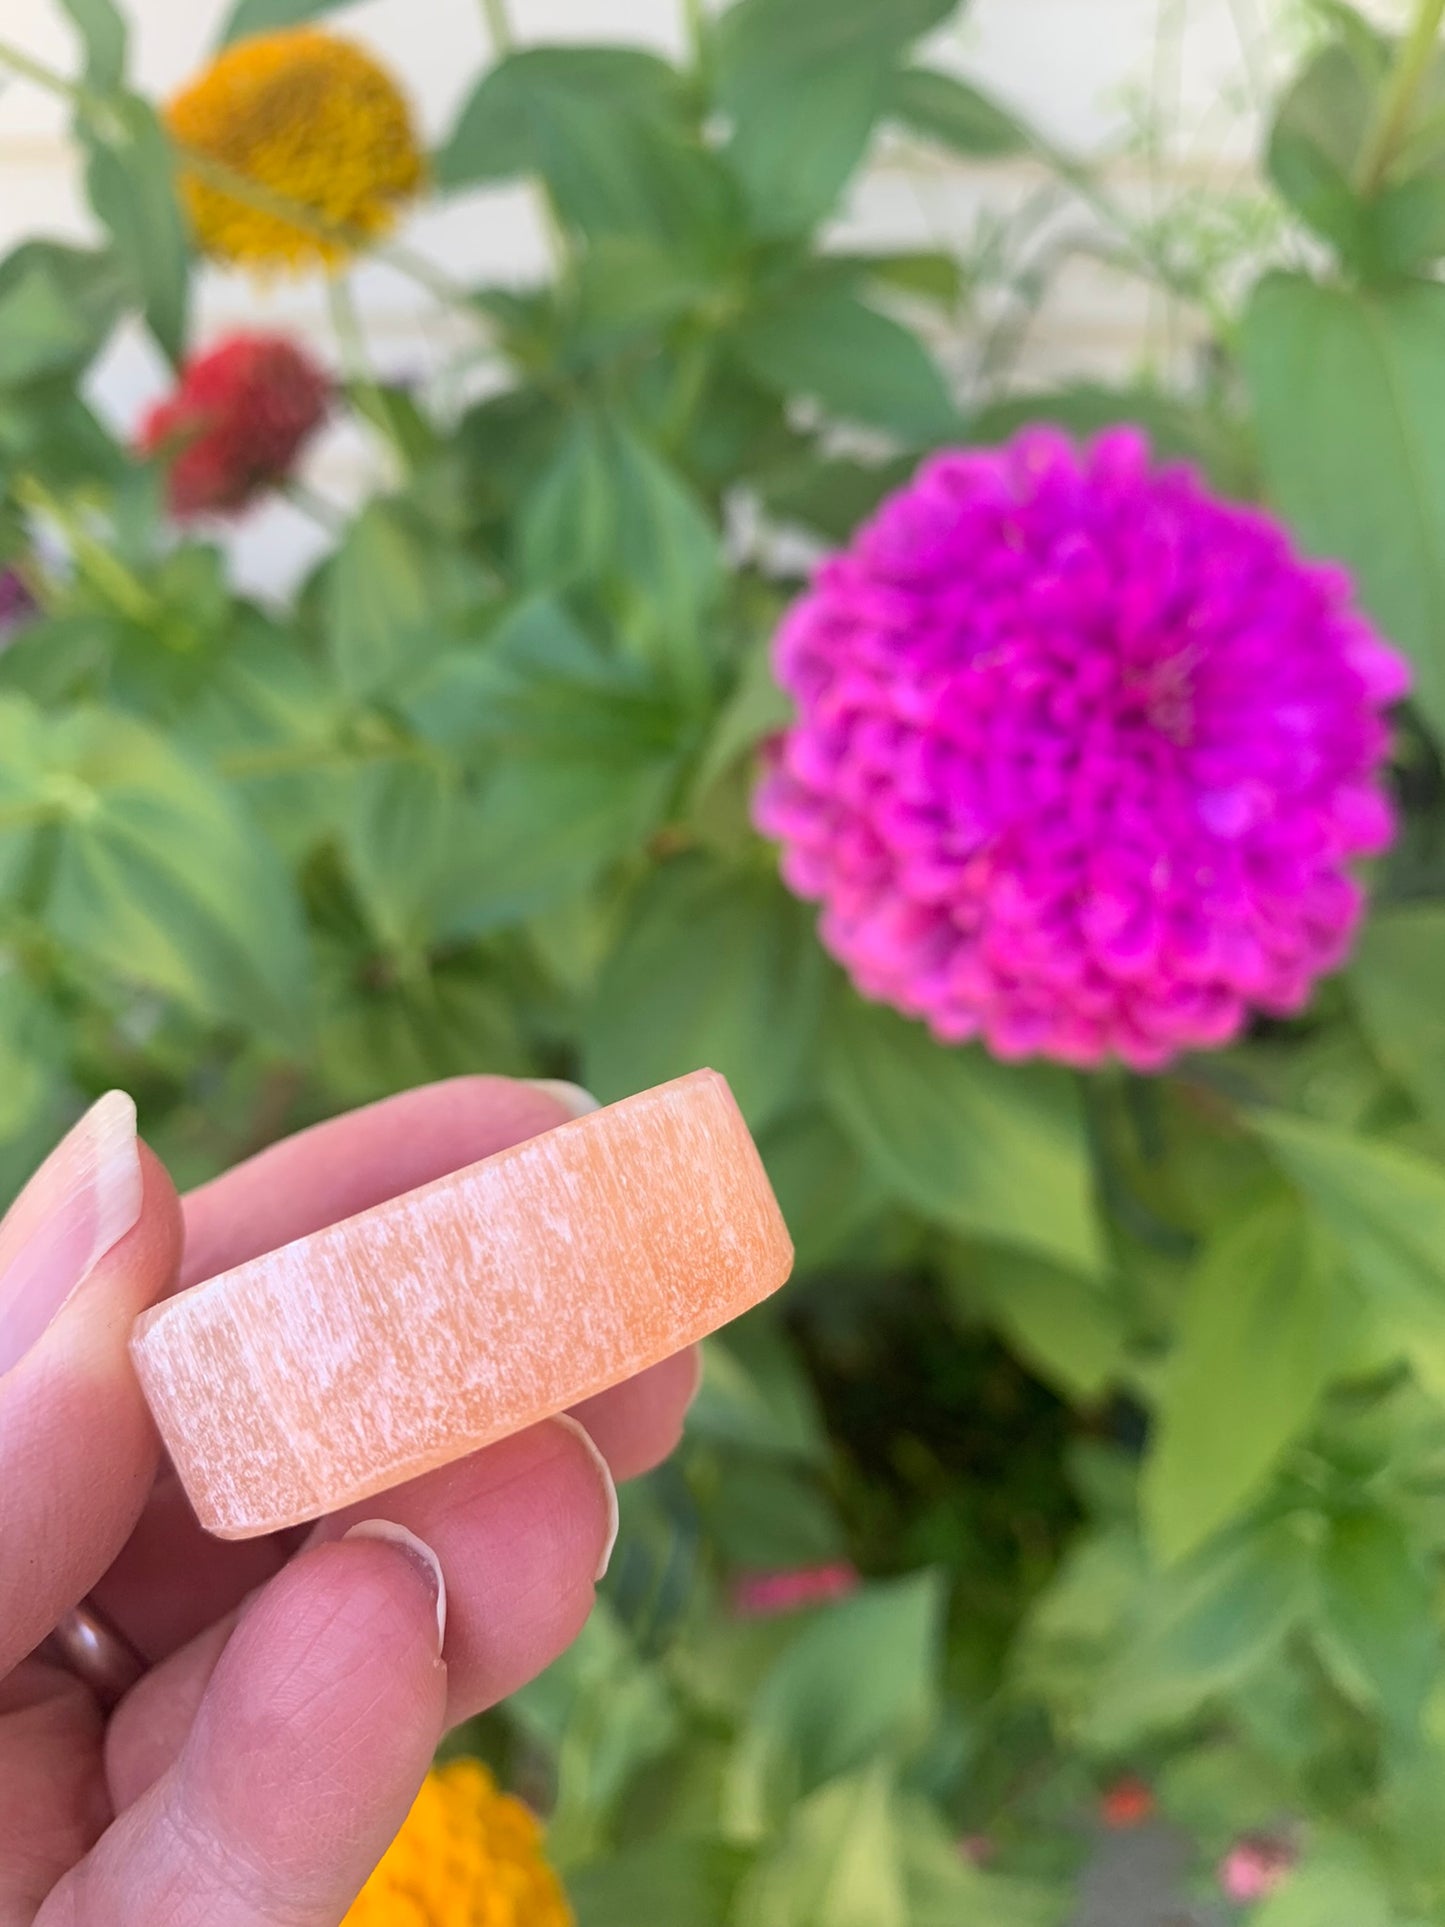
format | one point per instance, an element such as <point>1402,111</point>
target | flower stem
<point>499,26</point>
<point>1398,97</point>
<point>98,565</point>
<point>355,360</point>
<point>43,76</point>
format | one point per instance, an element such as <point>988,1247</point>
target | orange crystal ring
<point>415,1332</point>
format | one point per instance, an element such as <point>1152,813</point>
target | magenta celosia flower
<point>1256,1867</point>
<point>764,1595</point>
<point>1082,755</point>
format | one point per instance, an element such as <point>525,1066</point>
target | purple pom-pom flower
<point>1082,755</point>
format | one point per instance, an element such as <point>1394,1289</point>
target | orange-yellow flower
<point>468,1855</point>
<point>307,119</point>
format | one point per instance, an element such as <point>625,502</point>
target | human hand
<point>295,1690</point>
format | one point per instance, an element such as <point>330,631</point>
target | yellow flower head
<point>308,119</point>
<point>468,1855</point>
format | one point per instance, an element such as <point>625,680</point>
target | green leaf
<point>608,129</point>
<point>684,1879</point>
<point>1314,157</point>
<point>1387,1208</point>
<point>715,968</point>
<point>130,177</point>
<point>823,342</point>
<point>1377,1628</point>
<point>103,31</point>
<point>1205,1625</point>
<point>402,836</point>
<point>159,877</point>
<point>802,87</point>
<point>1349,398</point>
<point>40,332</point>
<point>1331,1887</point>
<point>838,1865</point>
<point>929,274</point>
<point>264,16</point>
<point>1398,968</point>
<point>1065,1326</point>
<point>1314,147</point>
<point>756,1395</point>
<point>390,598</point>
<point>610,513</point>
<point>828,1194</point>
<point>831,494</point>
<point>945,1890</point>
<point>32,1051</point>
<point>855,1683</point>
<point>586,750</point>
<point>1252,1355</point>
<point>944,108</point>
<point>995,1150</point>
<point>607,1711</point>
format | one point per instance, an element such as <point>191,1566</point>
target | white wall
<point>1074,66</point>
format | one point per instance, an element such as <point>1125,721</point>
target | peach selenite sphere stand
<point>417,1331</point>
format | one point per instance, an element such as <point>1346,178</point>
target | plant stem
<point>121,587</point>
<point>355,360</point>
<point>499,26</point>
<point>43,76</point>
<point>1397,98</point>
<point>696,22</point>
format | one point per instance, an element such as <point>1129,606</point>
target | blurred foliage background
<point>1093,1464</point>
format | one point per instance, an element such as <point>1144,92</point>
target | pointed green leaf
<point>944,108</point>
<point>715,968</point>
<point>839,1863</point>
<point>130,178</point>
<point>1396,977</point>
<point>103,31</point>
<point>853,1684</point>
<point>684,1879</point>
<point>1377,1627</point>
<point>824,343</point>
<point>1205,1626</point>
<point>1252,1356</point>
<point>159,876</point>
<point>265,16</point>
<point>1348,391</point>
<point>997,1150</point>
<point>1387,1208</point>
<point>802,87</point>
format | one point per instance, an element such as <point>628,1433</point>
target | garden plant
<point>1033,802</point>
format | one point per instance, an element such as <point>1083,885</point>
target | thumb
<point>91,1241</point>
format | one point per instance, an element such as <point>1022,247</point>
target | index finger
<point>349,1163</point>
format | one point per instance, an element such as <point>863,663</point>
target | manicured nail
<point>576,1101</point>
<point>609,1488</point>
<point>420,1554</point>
<point>80,1203</point>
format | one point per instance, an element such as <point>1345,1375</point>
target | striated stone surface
<point>426,1327</point>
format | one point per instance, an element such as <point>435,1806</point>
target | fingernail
<point>575,1100</point>
<point>418,1551</point>
<point>609,1488</point>
<point>81,1201</point>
